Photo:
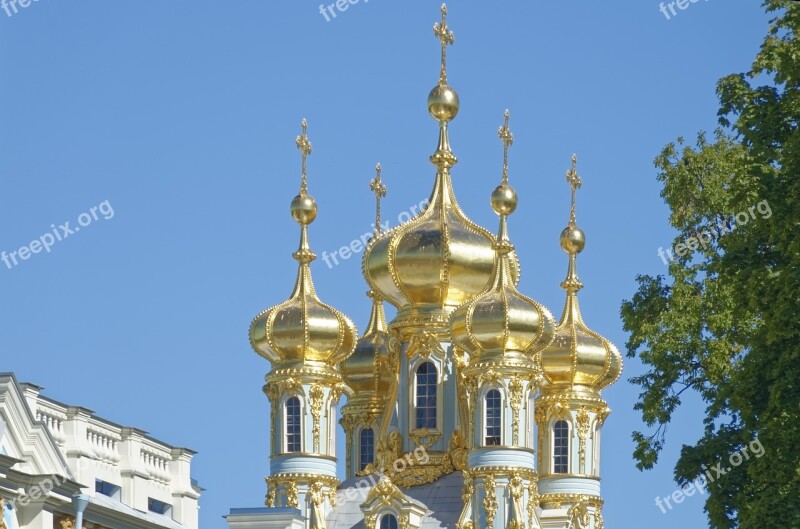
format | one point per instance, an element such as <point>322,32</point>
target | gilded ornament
<point>582,420</point>
<point>315,396</point>
<point>272,490</point>
<point>425,437</point>
<point>516,388</point>
<point>458,450</point>
<point>291,494</point>
<point>489,499</point>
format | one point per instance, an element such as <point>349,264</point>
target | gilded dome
<point>364,370</point>
<point>434,262</point>
<point>303,328</point>
<point>578,356</point>
<point>440,259</point>
<point>501,323</point>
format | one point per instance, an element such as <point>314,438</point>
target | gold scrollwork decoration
<point>315,399</point>
<point>490,499</point>
<point>582,420</point>
<point>425,437</point>
<point>516,388</point>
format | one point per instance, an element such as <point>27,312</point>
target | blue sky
<point>182,115</point>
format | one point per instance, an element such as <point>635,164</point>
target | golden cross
<point>304,145</point>
<point>575,183</point>
<point>445,36</point>
<point>508,140</point>
<point>380,191</point>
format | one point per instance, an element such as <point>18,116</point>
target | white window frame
<point>570,444</point>
<point>413,393</point>
<point>285,432</point>
<point>484,419</point>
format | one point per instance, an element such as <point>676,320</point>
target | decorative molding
<point>425,437</point>
<point>516,388</point>
<point>582,421</point>
<point>316,393</point>
<point>424,345</point>
<point>489,499</point>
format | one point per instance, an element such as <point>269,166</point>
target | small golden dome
<point>578,356</point>
<point>303,328</point>
<point>502,324</point>
<point>363,370</point>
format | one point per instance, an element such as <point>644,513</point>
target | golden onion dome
<point>303,328</point>
<point>440,259</point>
<point>501,323</point>
<point>365,370</point>
<point>578,356</point>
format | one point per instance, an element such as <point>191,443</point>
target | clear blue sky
<point>183,115</point>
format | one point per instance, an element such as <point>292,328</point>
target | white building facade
<point>61,463</point>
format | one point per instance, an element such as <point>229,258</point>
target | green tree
<point>725,320</point>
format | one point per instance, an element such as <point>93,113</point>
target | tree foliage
<point>724,321</point>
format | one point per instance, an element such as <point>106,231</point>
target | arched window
<point>366,448</point>
<point>388,521</point>
<point>293,424</point>
<point>493,407</point>
<point>426,395</point>
<point>560,447</point>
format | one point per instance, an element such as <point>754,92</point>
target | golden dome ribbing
<point>440,259</point>
<point>502,324</point>
<point>578,356</point>
<point>303,329</point>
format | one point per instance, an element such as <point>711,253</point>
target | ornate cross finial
<point>508,140</point>
<point>446,37</point>
<point>304,145</point>
<point>575,183</point>
<point>380,191</point>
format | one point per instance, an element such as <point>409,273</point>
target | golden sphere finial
<point>504,199</point>
<point>573,240</point>
<point>443,103</point>
<point>304,209</point>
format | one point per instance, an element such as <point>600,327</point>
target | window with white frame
<point>388,521</point>
<point>426,387</point>
<point>561,447</point>
<point>493,409</point>
<point>366,448</point>
<point>293,424</point>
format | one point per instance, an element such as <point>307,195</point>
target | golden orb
<point>573,240</point>
<point>304,209</point>
<point>504,200</point>
<point>443,103</point>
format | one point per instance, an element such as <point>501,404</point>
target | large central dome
<point>440,259</point>
<point>434,262</point>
